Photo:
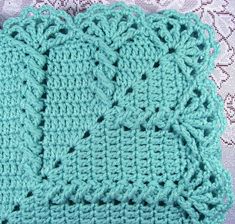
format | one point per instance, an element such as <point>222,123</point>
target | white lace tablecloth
<point>218,13</point>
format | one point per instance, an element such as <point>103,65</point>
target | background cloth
<point>220,14</point>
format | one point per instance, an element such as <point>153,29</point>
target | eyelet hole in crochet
<point>197,92</point>
<point>95,21</point>
<point>206,132</point>
<point>193,73</point>
<point>171,50</point>
<point>50,202</point>
<point>157,109</point>
<point>100,119</point>
<point>29,194</point>
<point>71,149</point>
<point>130,181</point>
<point>126,128</point>
<point>182,28</point>
<point>171,130</point>
<point>142,128</point>
<point>115,63</point>
<point>205,104</point>
<point>183,142</point>
<point>145,203</point>
<point>42,136</point>
<point>201,217</point>
<point>134,26</point>
<point>129,40</point>
<point>129,90</point>
<point>144,76</point>
<point>212,179</point>
<point>43,109</point>
<point>115,103</point>
<point>210,206</point>
<point>146,183</point>
<point>162,39</point>
<point>116,202</point>
<point>214,193</point>
<point>156,64</point>
<point>201,46</point>
<point>100,203</point>
<point>118,50</point>
<point>86,134</point>
<point>44,81</point>
<point>194,34</point>
<point>161,203</point>
<point>84,29</point>
<point>175,204</point>
<point>45,178</point>
<point>176,182</point>
<point>71,203</point>
<point>193,177</point>
<point>185,214</point>
<point>44,68</point>
<point>46,53</point>
<point>156,129</point>
<point>114,79</point>
<point>131,202</point>
<point>188,103</point>
<point>5,221</point>
<point>44,96</point>
<point>41,124</point>
<point>169,26</point>
<point>64,31</point>
<point>85,202</point>
<point>57,164</point>
<point>51,36</point>
<point>16,208</point>
<point>200,59</point>
<point>201,166</point>
<point>14,34</point>
<point>209,119</point>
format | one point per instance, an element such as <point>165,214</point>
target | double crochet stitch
<point>109,118</point>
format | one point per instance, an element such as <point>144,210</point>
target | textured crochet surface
<point>109,117</point>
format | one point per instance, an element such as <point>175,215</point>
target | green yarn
<point>109,117</point>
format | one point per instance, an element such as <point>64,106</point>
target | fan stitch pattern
<point>109,117</point>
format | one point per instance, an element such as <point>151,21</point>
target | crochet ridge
<point>109,117</point>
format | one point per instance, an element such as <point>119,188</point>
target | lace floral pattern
<point>218,13</point>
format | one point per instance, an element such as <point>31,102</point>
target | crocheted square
<point>109,117</point>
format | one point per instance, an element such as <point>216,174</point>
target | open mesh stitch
<point>109,117</point>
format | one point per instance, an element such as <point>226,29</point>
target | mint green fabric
<point>109,117</point>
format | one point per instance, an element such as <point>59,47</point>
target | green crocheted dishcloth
<point>109,118</point>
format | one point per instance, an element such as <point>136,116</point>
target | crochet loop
<point>109,116</point>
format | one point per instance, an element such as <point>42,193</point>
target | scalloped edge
<point>93,9</point>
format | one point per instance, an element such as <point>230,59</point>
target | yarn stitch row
<point>109,117</point>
